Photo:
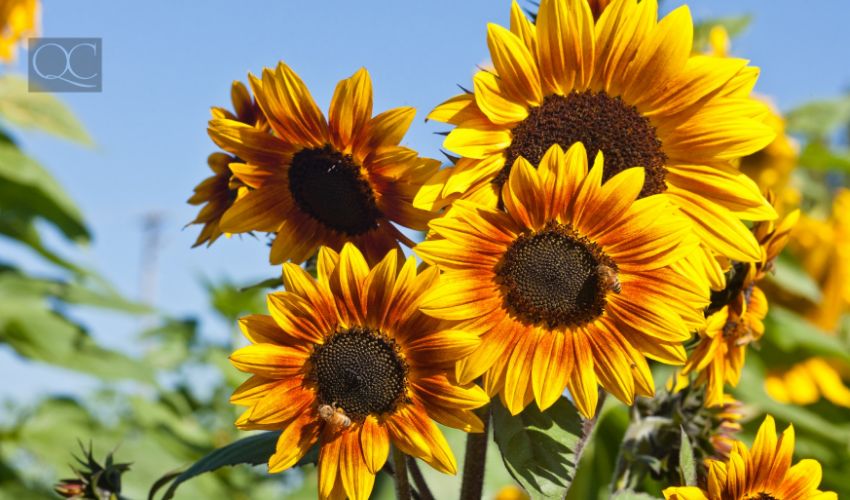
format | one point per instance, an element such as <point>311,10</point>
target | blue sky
<point>166,63</point>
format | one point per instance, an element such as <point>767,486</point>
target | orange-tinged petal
<point>294,442</point>
<point>493,101</point>
<point>388,128</point>
<point>351,109</point>
<point>263,209</point>
<point>551,368</point>
<point>518,372</point>
<point>477,143</point>
<point>269,360</point>
<point>328,464</point>
<point>443,347</point>
<point>375,443</point>
<point>515,65</point>
<point>356,477</point>
<point>565,44</point>
<point>582,384</point>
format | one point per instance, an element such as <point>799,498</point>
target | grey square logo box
<point>65,65</point>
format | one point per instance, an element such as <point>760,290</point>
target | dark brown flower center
<point>761,496</point>
<point>735,280</point>
<point>602,123</point>
<point>359,370</point>
<point>329,187</point>
<point>552,277</point>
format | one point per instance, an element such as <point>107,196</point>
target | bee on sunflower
<point>347,360</point>
<point>324,181</point>
<point>734,317</point>
<point>218,192</point>
<point>763,472</point>
<point>624,84</point>
<point>571,285</point>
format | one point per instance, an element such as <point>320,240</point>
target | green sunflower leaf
<point>817,155</point>
<point>27,188</point>
<point>38,110</point>
<point>542,449</point>
<point>793,334</point>
<point>819,119</point>
<point>687,461</point>
<point>252,450</point>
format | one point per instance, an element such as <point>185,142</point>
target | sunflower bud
<point>94,481</point>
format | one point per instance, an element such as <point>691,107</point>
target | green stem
<point>473,462</point>
<point>402,483</point>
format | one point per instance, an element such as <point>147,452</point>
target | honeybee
<point>609,279</point>
<point>335,417</point>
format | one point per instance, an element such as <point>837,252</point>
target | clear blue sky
<point>166,63</point>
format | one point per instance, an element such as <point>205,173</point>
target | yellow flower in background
<point>218,192</point>
<point>823,249</point>
<point>806,382</point>
<point>570,286</point>
<point>348,360</point>
<point>511,492</point>
<point>735,315</point>
<point>19,19</point>
<point>763,472</point>
<point>325,181</point>
<point>626,85</point>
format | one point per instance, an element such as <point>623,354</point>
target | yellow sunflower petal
<point>356,477</point>
<point>375,443</point>
<point>515,65</point>
<point>293,443</point>
<point>269,360</point>
<point>566,44</point>
<point>351,109</point>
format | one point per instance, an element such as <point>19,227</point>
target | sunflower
<point>348,360</point>
<point>570,285</point>
<point>19,19</point>
<point>626,85</point>
<point>761,473</point>
<point>806,382</point>
<point>218,192</point>
<point>325,182</point>
<point>735,314</point>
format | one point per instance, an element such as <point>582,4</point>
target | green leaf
<point>252,450</point>
<point>687,462</point>
<point>819,119</point>
<point>788,275</point>
<point>735,25</point>
<point>30,326</point>
<point>819,156</point>
<point>21,228</point>
<point>27,189</point>
<point>793,334</point>
<point>232,301</point>
<point>541,449</point>
<point>38,110</point>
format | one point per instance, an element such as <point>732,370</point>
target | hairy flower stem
<point>473,462</point>
<point>419,479</point>
<point>402,483</point>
